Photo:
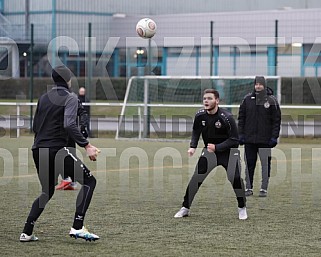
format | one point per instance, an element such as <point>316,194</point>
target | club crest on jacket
<point>218,124</point>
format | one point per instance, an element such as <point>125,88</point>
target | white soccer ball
<point>146,28</point>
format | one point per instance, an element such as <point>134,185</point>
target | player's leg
<point>265,158</point>
<point>206,163</point>
<point>231,163</point>
<point>82,175</point>
<point>250,154</point>
<point>67,183</point>
<point>44,159</point>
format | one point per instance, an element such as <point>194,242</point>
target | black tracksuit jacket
<point>56,119</point>
<point>259,117</point>
<point>219,129</point>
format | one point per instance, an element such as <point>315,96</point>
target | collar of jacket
<point>64,85</point>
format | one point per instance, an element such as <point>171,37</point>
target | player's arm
<point>35,120</point>
<point>276,118</point>
<point>233,140</point>
<point>196,132</point>
<point>70,121</point>
<point>70,124</point>
<point>241,117</point>
<point>83,119</point>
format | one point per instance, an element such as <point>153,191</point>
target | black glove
<point>83,131</point>
<point>273,142</point>
<point>241,139</point>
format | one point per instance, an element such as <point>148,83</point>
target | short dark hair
<point>212,91</point>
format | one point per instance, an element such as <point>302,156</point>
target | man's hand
<point>211,148</point>
<point>191,152</point>
<point>92,152</point>
<point>241,139</point>
<point>273,142</point>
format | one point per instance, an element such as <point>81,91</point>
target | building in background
<point>244,37</point>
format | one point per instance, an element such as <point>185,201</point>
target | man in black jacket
<point>220,136</point>
<point>259,124</point>
<point>55,120</point>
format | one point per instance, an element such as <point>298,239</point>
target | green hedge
<point>301,90</point>
<point>305,90</point>
<point>101,89</point>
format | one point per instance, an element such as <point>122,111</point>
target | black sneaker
<point>248,192</point>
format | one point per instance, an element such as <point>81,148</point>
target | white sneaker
<point>25,238</point>
<point>183,212</point>
<point>83,233</point>
<point>242,213</point>
<point>263,193</point>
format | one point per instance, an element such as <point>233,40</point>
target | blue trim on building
<point>271,60</point>
<point>84,13</point>
<point>216,55</point>
<point>197,55</point>
<point>57,12</point>
<point>1,6</point>
<point>164,61</point>
<point>116,63</point>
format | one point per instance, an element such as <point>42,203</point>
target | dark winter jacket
<point>259,118</point>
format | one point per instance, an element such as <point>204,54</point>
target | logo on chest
<point>266,105</point>
<point>218,124</point>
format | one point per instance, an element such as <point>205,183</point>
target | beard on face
<point>209,107</point>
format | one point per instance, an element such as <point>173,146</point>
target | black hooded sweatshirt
<point>56,119</point>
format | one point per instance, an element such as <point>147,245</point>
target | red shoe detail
<point>63,184</point>
<point>70,187</point>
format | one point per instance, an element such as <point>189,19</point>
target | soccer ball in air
<point>146,28</point>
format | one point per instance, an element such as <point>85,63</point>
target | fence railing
<point>19,117</point>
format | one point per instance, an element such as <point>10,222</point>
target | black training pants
<point>50,163</point>
<point>251,153</point>
<point>230,160</point>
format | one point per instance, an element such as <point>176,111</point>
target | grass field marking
<point>154,167</point>
<point>107,170</point>
<point>146,168</point>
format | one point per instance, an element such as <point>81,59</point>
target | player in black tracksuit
<point>219,132</point>
<point>55,120</point>
<point>259,124</point>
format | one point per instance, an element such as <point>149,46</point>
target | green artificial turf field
<point>140,188</point>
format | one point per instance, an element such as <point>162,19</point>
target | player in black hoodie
<point>55,120</point>
<point>259,124</point>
